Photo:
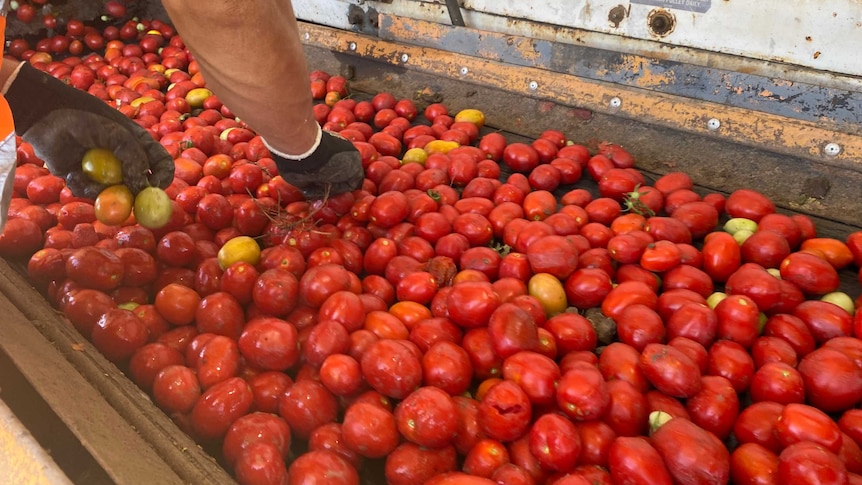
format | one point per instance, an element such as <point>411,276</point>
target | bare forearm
<point>251,57</point>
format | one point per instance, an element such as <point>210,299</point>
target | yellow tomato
<point>441,146</point>
<point>102,166</point>
<point>113,206</point>
<point>471,116</point>
<point>137,102</point>
<point>549,291</point>
<point>240,248</point>
<point>153,208</point>
<point>196,97</point>
<point>415,155</point>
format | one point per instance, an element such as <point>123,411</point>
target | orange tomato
<point>113,205</point>
<point>836,252</point>
<point>410,312</point>
<point>385,325</point>
<point>177,303</point>
<point>485,385</point>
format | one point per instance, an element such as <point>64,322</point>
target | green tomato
<point>102,166</point>
<point>153,208</point>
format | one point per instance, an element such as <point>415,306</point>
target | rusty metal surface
<point>114,421</point>
<point>761,130</point>
<point>791,99</point>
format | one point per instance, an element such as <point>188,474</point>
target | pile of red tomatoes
<point>481,311</point>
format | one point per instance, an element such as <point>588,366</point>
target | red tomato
<point>635,461</point>
<point>809,463</point>
<point>217,360</point>
<point>391,368</point>
<point>459,478</point>
<point>505,412</point>
<point>306,405</point>
<point>766,248</point>
<point>485,457</point>
<point>749,204</point>
<point>730,359</point>
<point>427,417</point>
<point>833,381</point>
<point>471,304</point>
<point>220,406</point>
<point>512,330</point>
<point>520,157</point>
<point>587,287</point>
<point>537,374</point>
<point>738,319</point>
<point>639,325</point>
<point>625,294</point>
<point>269,344</point>
<point>721,255</point>
<point>812,274</point>
<point>825,320</point>
<point>555,442</point>
<point>700,217</point>
<point>752,463</point>
<point>370,430</point>
<point>628,411</point>
<point>118,334</point>
<point>668,228</point>
<point>777,382</point>
<point>673,181</point>
<point>715,407</point>
<point>756,424</point>
<point>410,464</point>
<point>322,466</point>
<point>254,428</point>
<point>95,268</point>
<point>692,454</point>
<point>670,370</point>
<point>792,330</point>
<point>582,394</point>
<point>801,422</point>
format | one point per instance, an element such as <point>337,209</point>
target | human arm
<point>251,56</point>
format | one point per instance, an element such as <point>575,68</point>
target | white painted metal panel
<point>818,34</point>
<point>821,34</point>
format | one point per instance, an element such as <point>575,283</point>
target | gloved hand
<point>62,123</point>
<point>333,166</point>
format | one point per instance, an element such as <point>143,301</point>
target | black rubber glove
<point>62,123</point>
<point>333,168</point>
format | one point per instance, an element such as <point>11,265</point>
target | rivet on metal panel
<point>464,71</point>
<point>307,36</point>
<point>661,22</point>
<point>534,85</point>
<point>352,46</point>
<point>404,57</point>
<point>832,149</point>
<point>713,124</point>
<point>617,15</point>
<point>615,102</point>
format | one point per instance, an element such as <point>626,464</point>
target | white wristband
<point>300,156</point>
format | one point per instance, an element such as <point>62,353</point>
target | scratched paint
<point>801,101</point>
<point>764,130</point>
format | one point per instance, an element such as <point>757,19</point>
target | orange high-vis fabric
<point>6,125</point>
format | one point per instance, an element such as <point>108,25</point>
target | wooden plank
<point>21,456</point>
<point>115,421</point>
